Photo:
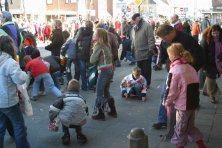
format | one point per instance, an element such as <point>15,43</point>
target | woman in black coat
<point>212,43</point>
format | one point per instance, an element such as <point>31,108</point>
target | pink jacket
<point>183,86</point>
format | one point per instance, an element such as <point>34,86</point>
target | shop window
<point>71,1</point>
<point>48,1</point>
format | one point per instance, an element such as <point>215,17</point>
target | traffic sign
<point>138,2</point>
<point>181,9</point>
<point>185,9</point>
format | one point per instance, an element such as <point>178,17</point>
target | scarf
<point>218,51</point>
<point>137,27</point>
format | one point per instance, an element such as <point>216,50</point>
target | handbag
<point>25,103</point>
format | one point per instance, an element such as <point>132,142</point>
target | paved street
<point>113,132</point>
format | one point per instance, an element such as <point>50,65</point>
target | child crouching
<point>71,111</point>
<point>134,85</point>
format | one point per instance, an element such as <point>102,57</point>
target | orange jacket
<point>195,29</point>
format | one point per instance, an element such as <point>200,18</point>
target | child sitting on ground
<point>134,85</point>
<point>71,111</point>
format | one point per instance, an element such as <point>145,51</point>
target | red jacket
<point>37,67</point>
<point>195,29</point>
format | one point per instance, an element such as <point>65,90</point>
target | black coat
<point>57,42</point>
<point>189,44</point>
<point>210,65</point>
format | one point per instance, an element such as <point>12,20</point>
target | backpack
<point>84,44</point>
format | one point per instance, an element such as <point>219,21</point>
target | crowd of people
<point>93,48</point>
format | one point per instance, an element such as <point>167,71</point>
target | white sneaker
<point>42,93</point>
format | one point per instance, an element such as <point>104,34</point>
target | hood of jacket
<point>3,57</point>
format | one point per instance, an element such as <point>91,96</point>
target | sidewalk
<point>113,132</point>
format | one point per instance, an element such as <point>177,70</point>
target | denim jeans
<point>146,69</point>
<point>80,69</point>
<point>13,114</point>
<point>48,83</point>
<point>162,116</point>
<point>55,77</point>
<point>129,56</point>
<point>68,69</point>
<point>102,89</point>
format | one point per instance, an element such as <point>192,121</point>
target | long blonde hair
<point>102,37</point>
<point>178,50</point>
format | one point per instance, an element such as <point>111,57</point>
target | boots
<point>99,116</point>
<point>200,144</point>
<point>66,139</point>
<point>112,107</point>
<point>81,138</point>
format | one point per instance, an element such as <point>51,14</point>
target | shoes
<point>100,116</point>
<point>157,67</point>
<point>42,93</point>
<point>132,63</point>
<point>212,100</point>
<point>81,139</point>
<point>160,125</point>
<point>34,98</point>
<point>65,139</point>
<point>112,107</point>
<point>144,99</point>
<point>205,94</point>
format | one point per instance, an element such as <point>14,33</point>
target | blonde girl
<point>102,57</point>
<point>183,91</point>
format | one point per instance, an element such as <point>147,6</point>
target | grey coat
<point>143,41</point>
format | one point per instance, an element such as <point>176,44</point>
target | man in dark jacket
<point>55,47</point>
<point>170,35</point>
<point>83,39</point>
<point>57,39</point>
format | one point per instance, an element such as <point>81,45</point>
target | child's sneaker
<point>65,139</point>
<point>81,138</point>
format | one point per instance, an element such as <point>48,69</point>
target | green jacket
<point>102,57</point>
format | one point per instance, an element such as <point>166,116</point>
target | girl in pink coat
<point>183,90</point>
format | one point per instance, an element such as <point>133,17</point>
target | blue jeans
<point>55,77</point>
<point>80,69</point>
<point>129,56</point>
<point>13,114</point>
<point>102,89</point>
<point>162,116</point>
<point>48,83</point>
<point>68,69</point>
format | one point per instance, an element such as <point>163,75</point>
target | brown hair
<point>164,30</point>
<point>178,50</point>
<point>89,24</point>
<point>102,37</point>
<point>7,45</point>
<point>73,85</point>
<point>207,33</point>
<point>65,34</point>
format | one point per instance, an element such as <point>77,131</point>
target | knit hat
<point>7,15</point>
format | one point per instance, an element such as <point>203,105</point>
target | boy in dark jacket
<point>126,50</point>
<point>71,111</point>
<point>68,50</point>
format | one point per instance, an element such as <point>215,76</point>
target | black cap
<point>135,16</point>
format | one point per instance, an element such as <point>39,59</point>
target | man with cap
<point>143,43</point>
